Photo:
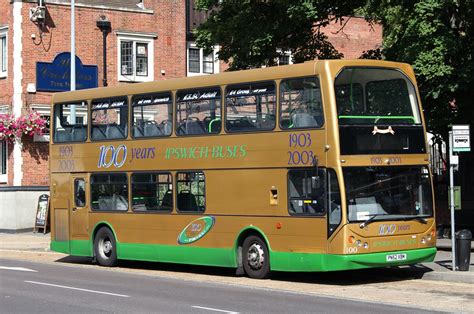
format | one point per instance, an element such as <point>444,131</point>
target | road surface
<point>31,287</point>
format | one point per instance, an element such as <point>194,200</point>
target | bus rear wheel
<point>255,258</point>
<point>105,247</point>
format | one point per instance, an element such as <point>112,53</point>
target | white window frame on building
<point>44,111</point>
<point>286,54</point>
<point>3,51</point>
<point>198,63</point>
<point>133,50</point>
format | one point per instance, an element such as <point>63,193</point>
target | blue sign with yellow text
<point>56,76</point>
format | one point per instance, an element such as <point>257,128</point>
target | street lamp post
<point>104,25</point>
<point>73,59</point>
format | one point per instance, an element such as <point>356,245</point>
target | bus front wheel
<point>105,247</point>
<point>255,258</point>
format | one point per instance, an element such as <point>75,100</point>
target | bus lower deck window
<point>191,188</point>
<point>109,192</point>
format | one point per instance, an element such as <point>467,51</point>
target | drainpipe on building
<point>104,25</point>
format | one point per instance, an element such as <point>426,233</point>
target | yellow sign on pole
<point>457,197</point>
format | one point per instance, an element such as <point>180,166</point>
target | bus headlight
<point>366,245</point>
<point>358,243</point>
<point>432,234</point>
<point>423,240</point>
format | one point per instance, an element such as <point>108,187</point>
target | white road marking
<point>18,268</point>
<point>211,309</point>
<point>80,289</point>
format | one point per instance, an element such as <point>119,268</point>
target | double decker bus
<point>320,166</point>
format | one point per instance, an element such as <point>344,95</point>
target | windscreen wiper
<point>371,218</point>
<point>423,220</point>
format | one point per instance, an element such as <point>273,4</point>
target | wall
<point>355,37</point>
<point>18,210</point>
<point>6,84</point>
<point>167,21</point>
<point>164,18</point>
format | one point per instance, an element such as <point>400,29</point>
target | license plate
<point>396,257</point>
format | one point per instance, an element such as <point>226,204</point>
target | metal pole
<point>104,53</point>
<point>451,203</point>
<point>73,59</point>
<point>73,47</point>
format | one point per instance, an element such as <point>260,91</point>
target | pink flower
<point>30,124</point>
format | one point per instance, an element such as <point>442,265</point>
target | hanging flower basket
<point>29,124</point>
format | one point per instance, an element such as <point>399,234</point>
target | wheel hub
<point>106,247</point>
<point>256,256</point>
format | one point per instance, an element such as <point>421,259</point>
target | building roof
<point>113,4</point>
<point>129,4</point>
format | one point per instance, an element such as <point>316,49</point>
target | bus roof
<point>232,77</point>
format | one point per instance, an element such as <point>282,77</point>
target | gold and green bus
<point>320,166</point>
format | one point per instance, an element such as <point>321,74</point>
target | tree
<point>253,33</point>
<point>437,38</point>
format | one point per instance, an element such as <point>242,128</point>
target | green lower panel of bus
<point>331,262</point>
<point>60,247</point>
<point>226,257</point>
<point>154,253</point>
<point>181,254</point>
<point>74,247</point>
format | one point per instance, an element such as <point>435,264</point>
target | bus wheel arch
<point>253,254</point>
<point>105,245</point>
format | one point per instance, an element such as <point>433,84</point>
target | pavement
<point>439,270</point>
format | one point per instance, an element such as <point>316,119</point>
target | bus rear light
<point>351,239</point>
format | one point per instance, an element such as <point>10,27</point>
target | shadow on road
<point>342,278</point>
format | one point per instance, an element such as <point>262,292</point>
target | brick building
<point>145,40</point>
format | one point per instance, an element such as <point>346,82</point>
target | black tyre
<point>105,247</point>
<point>255,258</point>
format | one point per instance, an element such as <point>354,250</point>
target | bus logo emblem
<point>387,229</point>
<point>196,229</point>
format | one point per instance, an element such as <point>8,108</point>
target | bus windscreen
<point>388,193</point>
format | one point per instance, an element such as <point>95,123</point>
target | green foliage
<point>437,38</point>
<point>254,33</point>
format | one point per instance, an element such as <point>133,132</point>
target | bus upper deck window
<point>198,111</point>
<point>109,119</point>
<point>375,96</point>
<point>70,122</point>
<point>301,104</point>
<point>250,107</point>
<point>152,115</point>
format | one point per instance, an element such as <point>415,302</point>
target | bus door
<point>79,208</point>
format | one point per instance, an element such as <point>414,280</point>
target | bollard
<point>463,249</point>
